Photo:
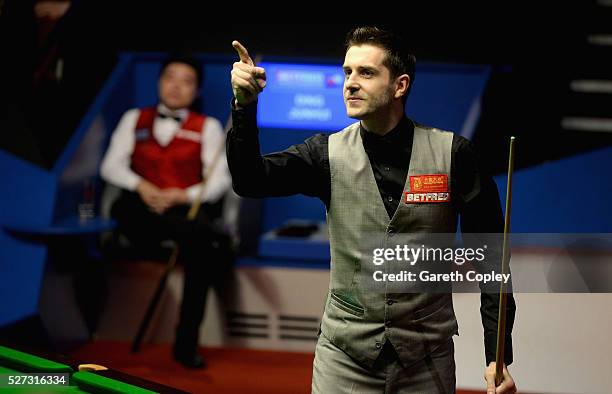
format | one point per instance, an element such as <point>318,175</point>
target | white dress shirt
<point>116,165</point>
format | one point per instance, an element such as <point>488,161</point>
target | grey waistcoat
<point>359,320</point>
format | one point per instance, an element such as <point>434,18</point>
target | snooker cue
<point>501,317</point>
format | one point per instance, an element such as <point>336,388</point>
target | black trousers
<point>204,250</point>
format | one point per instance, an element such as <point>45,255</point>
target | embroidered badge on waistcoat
<point>431,188</point>
<point>142,134</point>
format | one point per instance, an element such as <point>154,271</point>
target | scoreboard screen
<point>303,96</point>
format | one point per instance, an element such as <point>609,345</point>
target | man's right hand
<point>247,79</point>
<point>507,386</point>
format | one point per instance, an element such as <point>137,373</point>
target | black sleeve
<point>481,213</point>
<point>302,168</point>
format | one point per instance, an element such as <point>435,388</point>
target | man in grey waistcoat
<point>389,176</point>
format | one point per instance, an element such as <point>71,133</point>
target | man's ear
<point>402,85</point>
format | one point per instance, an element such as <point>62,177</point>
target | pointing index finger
<point>242,52</point>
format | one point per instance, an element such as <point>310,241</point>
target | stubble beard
<point>374,105</point>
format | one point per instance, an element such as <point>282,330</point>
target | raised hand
<point>248,80</point>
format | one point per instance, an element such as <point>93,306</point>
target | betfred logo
<point>418,198</point>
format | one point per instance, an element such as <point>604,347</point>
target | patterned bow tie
<point>164,116</point>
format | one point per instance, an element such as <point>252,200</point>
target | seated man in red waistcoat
<point>157,156</point>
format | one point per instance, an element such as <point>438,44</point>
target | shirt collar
<point>400,136</point>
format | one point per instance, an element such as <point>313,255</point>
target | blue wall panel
<point>442,95</point>
<point>27,200</point>
<point>564,196</point>
<point>217,90</point>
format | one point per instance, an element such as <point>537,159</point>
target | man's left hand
<point>174,196</point>
<point>507,385</point>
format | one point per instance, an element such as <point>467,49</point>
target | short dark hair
<point>398,60</point>
<point>184,59</point>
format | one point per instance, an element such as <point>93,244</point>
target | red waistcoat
<point>177,164</point>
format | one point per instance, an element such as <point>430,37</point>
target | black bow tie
<point>164,116</point>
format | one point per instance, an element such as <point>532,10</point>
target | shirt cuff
<point>192,192</point>
<point>132,182</point>
<point>244,117</point>
<point>490,343</point>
